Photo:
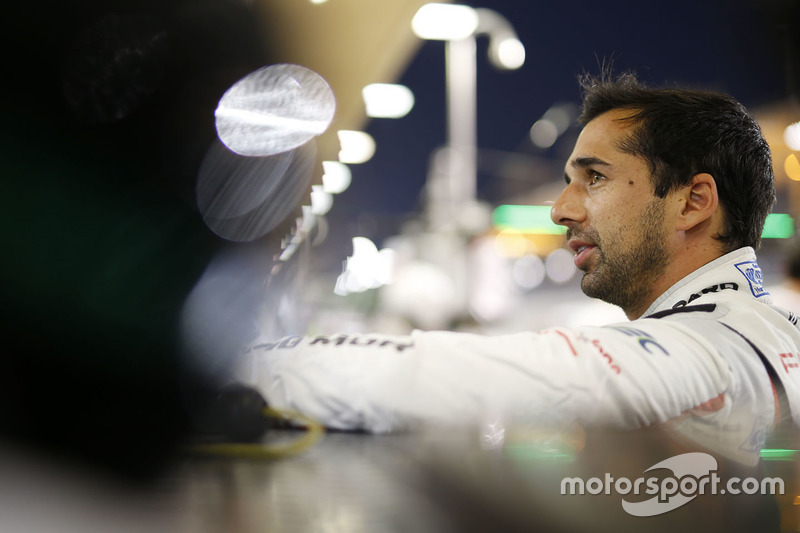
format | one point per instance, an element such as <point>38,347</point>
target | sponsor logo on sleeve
<point>789,361</point>
<point>334,340</point>
<point>644,339</point>
<point>752,272</point>
<point>714,288</point>
<point>607,357</point>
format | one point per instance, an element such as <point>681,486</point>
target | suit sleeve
<point>628,375</point>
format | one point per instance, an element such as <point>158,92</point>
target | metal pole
<point>460,64</point>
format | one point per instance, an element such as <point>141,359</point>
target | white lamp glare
<point>444,22</point>
<point>336,178</point>
<point>387,100</point>
<point>356,146</point>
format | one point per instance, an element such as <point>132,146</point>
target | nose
<point>568,208</point>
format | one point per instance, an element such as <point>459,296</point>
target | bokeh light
<point>387,100</point>
<point>560,265</point>
<point>791,136</point>
<point>356,146</point>
<point>243,198</point>
<point>444,21</point>
<point>274,109</point>
<point>528,272</point>
<point>792,167</point>
<point>336,178</point>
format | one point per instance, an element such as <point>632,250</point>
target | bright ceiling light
<point>356,146</point>
<point>336,178</point>
<point>444,22</point>
<point>387,100</point>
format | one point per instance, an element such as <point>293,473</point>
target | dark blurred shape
<point>107,109</point>
<point>244,198</point>
<point>236,413</point>
<point>114,66</point>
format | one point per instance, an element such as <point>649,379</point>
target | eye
<point>595,177</point>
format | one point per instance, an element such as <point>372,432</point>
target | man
<point>667,192</point>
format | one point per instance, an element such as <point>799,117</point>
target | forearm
<point>380,383</point>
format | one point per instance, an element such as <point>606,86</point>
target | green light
<point>539,453</point>
<point>778,226</point>
<point>778,454</point>
<point>536,219</point>
<point>526,219</point>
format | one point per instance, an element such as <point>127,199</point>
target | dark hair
<point>682,133</point>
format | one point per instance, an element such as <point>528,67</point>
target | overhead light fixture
<point>387,100</point>
<point>356,146</point>
<point>444,22</point>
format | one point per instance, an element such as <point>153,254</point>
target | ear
<point>699,202</point>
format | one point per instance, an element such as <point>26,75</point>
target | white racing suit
<point>692,361</point>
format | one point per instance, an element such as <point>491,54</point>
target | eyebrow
<point>585,162</point>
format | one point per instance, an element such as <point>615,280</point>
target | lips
<point>582,251</point>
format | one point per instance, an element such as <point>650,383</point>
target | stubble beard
<point>623,274</point>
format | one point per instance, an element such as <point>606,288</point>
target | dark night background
<point>107,109</point>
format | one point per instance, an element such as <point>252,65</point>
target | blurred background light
<point>778,226</point>
<point>555,121</point>
<point>511,243</point>
<point>444,22</point>
<point>791,136</point>
<point>544,133</point>
<point>792,167</point>
<point>423,292</point>
<point>336,177</point>
<point>321,201</point>
<point>560,266</point>
<point>387,100</point>
<point>526,219</point>
<point>562,115</point>
<point>528,272</point>
<point>356,146</point>
<point>274,109</point>
<point>367,268</point>
<point>511,53</point>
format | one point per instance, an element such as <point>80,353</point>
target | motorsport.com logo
<point>692,474</point>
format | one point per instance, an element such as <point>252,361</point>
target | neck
<point>687,258</point>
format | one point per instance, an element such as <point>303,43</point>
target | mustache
<point>589,235</point>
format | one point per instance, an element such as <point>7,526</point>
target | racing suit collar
<point>734,271</point>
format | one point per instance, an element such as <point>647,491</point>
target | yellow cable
<point>314,431</point>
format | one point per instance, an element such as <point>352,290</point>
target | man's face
<point>615,223</point>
